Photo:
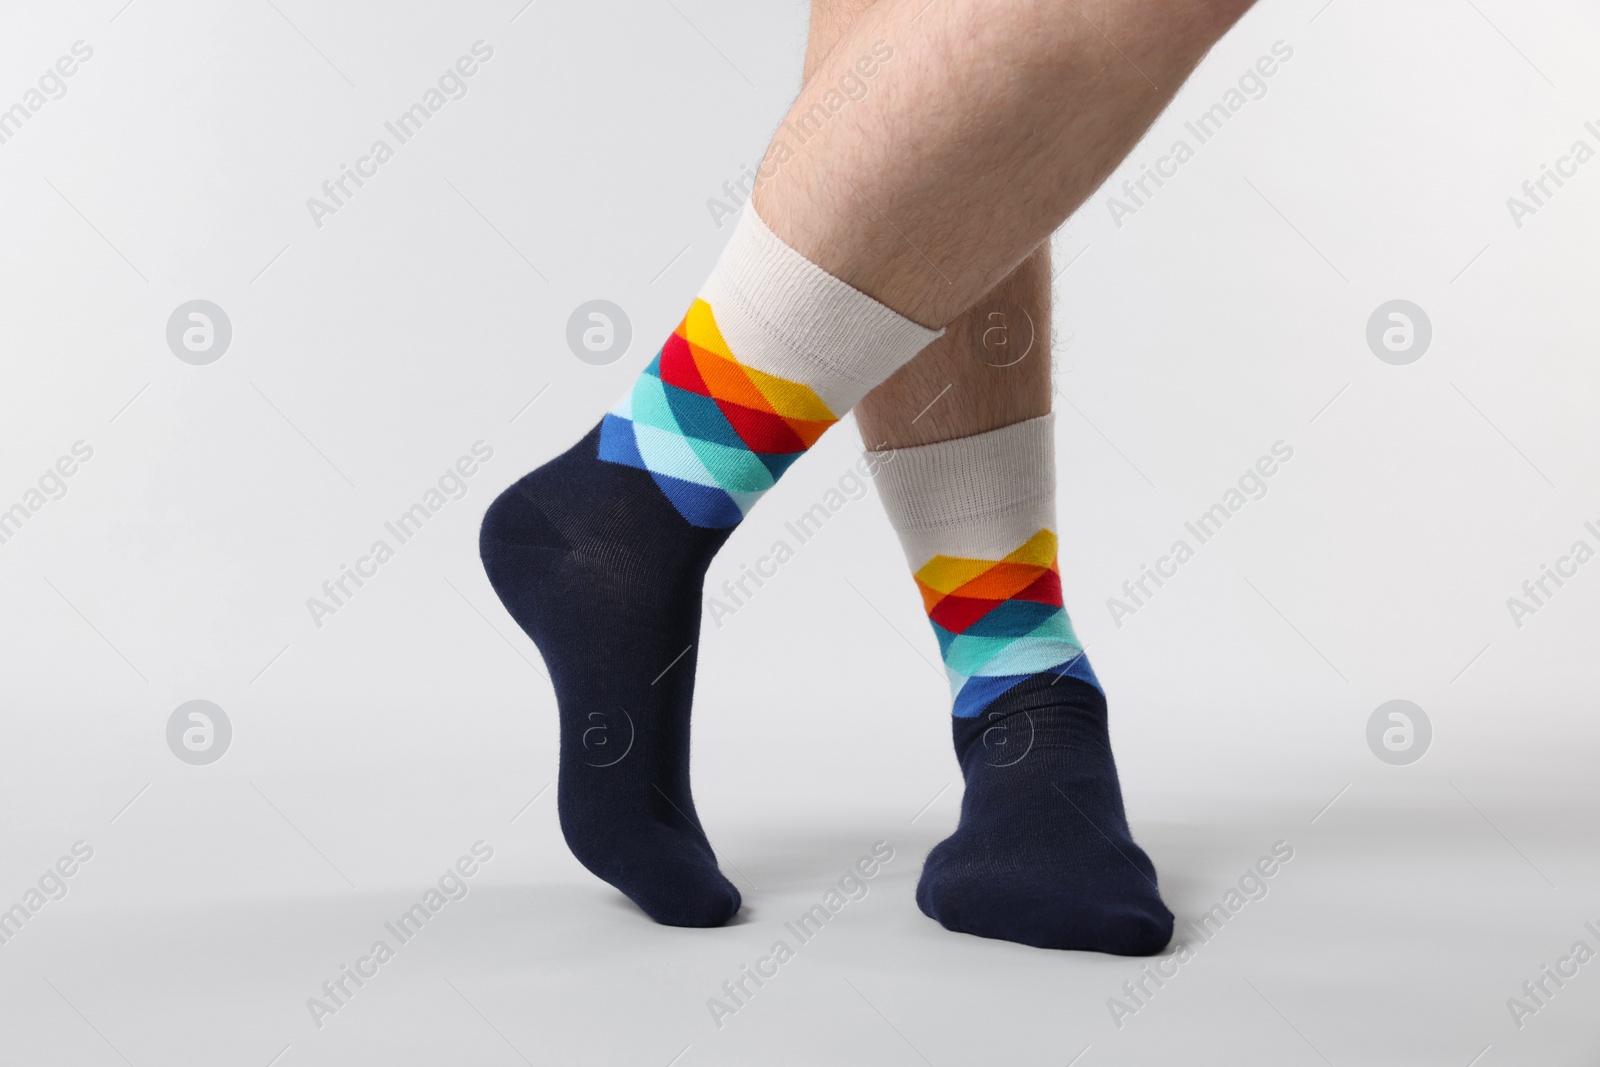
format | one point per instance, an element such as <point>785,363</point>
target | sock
<point>1042,854</point>
<point>599,554</point>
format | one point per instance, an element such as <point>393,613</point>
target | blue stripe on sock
<point>699,416</point>
<point>1012,618</point>
<point>617,444</point>
<point>980,692</point>
<point>778,462</point>
<point>702,505</point>
<point>1079,668</point>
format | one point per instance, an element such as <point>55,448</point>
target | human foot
<point>600,554</point>
<point>1042,855</point>
<point>600,570</point>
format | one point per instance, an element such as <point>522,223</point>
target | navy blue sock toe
<point>604,574</point>
<point>1043,855</point>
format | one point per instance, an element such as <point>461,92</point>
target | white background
<point>369,353</point>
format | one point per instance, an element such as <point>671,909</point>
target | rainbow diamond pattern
<point>713,433</point>
<point>1000,621</point>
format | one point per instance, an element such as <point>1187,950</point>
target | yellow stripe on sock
<point>699,327</point>
<point>792,400</point>
<point>1039,550</point>
<point>946,574</point>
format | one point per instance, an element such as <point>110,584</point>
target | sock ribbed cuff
<point>978,497</point>
<point>784,315</point>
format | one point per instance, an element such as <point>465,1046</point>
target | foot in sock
<point>598,568</point>
<point>599,555</point>
<point>1042,855</point>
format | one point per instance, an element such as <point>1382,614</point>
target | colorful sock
<point>600,553</point>
<point>1042,854</point>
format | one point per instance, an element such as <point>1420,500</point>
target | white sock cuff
<point>977,497</point>
<point>782,314</point>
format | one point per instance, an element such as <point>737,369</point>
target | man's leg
<point>1043,854</point>
<point>992,366</point>
<point>1010,112</point>
<point>988,126</point>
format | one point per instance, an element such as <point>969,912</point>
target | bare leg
<point>992,366</point>
<point>987,128</point>
<point>990,369</point>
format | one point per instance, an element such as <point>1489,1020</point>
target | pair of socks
<point>599,556</point>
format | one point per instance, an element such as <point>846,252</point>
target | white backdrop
<point>374,344</point>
